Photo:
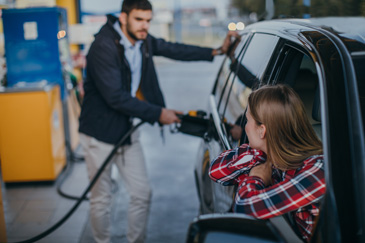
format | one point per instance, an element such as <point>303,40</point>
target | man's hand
<point>169,116</point>
<point>236,132</point>
<point>230,37</point>
<point>264,171</point>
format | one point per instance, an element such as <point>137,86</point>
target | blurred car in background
<point>324,61</point>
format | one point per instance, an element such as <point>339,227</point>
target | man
<point>121,84</point>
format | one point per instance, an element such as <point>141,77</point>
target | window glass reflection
<point>256,58</point>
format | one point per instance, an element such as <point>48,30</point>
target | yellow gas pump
<point>32,141</point>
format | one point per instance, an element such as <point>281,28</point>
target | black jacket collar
<point>111,19</point>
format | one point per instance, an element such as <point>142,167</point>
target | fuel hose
<point>83,196</point>
<point>67,171</point>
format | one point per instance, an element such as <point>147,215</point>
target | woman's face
<point>255,133</point>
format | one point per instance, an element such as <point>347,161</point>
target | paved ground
<point>32,208</point>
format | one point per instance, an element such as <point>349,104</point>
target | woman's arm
<point>305,187</point>
<point>229,165</point>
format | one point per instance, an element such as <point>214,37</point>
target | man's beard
<point>132,35</point>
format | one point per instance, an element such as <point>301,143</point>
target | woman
<point>281,169</point>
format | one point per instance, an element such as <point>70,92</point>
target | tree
<point>295,8</point>
<point>249,6</point>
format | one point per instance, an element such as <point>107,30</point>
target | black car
<point>323,59</point>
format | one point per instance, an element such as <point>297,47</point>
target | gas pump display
<point>36,47</point>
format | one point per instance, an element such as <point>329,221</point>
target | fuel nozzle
<point>193,123</point>
<point>197,113</point>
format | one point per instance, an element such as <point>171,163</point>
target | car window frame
<point>265,74</point>
<point>239,57</point>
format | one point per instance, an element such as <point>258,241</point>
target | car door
<point>327,72</point>
<point>211,146</point>
<point>343,137</point>
<point>246,69</point>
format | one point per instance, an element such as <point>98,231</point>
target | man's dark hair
<point>129,5</point>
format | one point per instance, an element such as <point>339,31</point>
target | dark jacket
<point>108,106</point>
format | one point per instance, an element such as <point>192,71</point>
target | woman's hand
<point>263,171</point>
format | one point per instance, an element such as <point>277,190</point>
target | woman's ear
<point>262,131</point>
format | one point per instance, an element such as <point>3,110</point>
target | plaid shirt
<point>295,191</point>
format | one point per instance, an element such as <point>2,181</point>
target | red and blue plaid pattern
<point>229,167</point>
<point>295,191</point>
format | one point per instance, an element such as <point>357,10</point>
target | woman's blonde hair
<point>290,138</point>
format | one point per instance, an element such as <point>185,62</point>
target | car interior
<point>298,71</point>
<point>307,87</point>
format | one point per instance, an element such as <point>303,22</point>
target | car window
<point>256,58</point>
<point>297,70</point>
<point>247,71</point>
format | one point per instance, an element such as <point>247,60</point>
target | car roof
<point>346,28</point>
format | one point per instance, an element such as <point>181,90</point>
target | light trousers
<point>132,167</point>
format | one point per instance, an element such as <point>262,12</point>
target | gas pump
<point>38,125</point>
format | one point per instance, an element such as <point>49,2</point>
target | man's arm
<point>185,52</point>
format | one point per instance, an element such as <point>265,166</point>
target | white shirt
<point>134,58</point>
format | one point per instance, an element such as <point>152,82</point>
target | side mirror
<point>214,228</point>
